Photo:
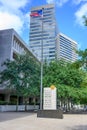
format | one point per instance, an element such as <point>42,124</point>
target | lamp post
<point>41,84</point>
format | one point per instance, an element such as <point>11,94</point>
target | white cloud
<point>78,1</point>
<point>50,1</point>
<point>59,3</point>
<point>11,15</point>
<point>12,5</point>
<point>9,21</point>
<point>79,14</point>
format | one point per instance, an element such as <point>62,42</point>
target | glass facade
<point>43,31</point>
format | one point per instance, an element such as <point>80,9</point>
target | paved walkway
<point>29,121</point>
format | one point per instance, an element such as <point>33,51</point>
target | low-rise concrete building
<point>11,44</point>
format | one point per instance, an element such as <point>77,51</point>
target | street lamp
<point>41,85</point>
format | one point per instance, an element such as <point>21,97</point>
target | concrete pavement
<point>29,121</point>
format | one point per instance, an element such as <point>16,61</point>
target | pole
<point>41,85</point>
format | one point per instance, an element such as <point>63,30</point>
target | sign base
<point>50,114</point>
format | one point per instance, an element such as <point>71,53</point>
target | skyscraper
<point>43,32</point>
<point>66,48</point>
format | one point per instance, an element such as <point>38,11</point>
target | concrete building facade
<point>43,31</point>
<point>11,44</point>
<point>66,48</point>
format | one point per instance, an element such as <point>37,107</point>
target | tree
<point>82,59</point>
<point>85,20</point>
<point>59,72</point>
<point>84,96</point>
<point>67,78</point>
<point>22,75</point>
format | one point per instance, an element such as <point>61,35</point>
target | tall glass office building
<point>43,32</point>
<point>66,48</point>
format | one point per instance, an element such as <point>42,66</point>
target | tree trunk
<point>17,103</point>
<point>34,102</point>
<point>69,106</point>
<point>25,104</point>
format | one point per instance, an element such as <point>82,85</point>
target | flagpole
<point>41,85</point>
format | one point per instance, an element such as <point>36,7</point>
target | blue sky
<point>15,14</point>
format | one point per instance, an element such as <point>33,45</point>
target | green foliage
<point>82,59</point>
<point>59,72</point>
<point>85,20</point>
<point>76,95</point>
<point>68,79</point>
<point>83,98</point>
<point>3,103</point>
<point>22,75</point>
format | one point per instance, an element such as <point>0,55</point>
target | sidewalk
<point>30,121</point>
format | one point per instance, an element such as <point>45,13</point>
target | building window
<point>14,56</point>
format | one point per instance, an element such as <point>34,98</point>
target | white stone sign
<point>49,99</point>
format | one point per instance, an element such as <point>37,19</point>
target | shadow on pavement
<point>4,116</point>
<point>79,127</point>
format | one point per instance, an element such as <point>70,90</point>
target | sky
<point>16,14</point>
